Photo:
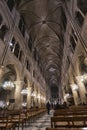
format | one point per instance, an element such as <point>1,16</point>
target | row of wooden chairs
<point>69,119</point>
<point>66,129</point>
<point>6,123</point>
<point>13,118</point>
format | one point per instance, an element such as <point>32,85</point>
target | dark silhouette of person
<point>65,105</point>
<point>57,106</point>
<point>48,107</point>
<point>52,105</point>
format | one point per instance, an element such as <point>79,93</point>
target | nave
<point>40,123</point>
<point>43,57</point>
<point>72,118</point>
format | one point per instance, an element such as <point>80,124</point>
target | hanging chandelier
<point>24,91</point>
<point>8,85</point>
<point>33,94</point>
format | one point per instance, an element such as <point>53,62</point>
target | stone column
<point>29,97</point>
<point>35,97</point>
<point>17,95</point>
<point>38,98</point>
<point>2,70</point>
<point>74,88</point>
<point>82,89</point>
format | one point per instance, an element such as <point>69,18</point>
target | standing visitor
<point>48,107</point>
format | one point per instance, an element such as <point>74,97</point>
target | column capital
<point>18,82</point>
<point>74,86</point>
<point>78,77</point>
<point>82,78</point>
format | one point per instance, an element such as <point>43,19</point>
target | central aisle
<point>40,124</point>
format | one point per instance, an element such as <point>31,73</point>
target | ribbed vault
<point>44,21</point>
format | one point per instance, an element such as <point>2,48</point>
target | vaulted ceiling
<point>45,22</point>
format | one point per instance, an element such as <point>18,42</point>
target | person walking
<point>48,107</point>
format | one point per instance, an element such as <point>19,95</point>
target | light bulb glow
<point>8,85</point>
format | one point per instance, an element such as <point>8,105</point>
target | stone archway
<point>82,65</point>
<point>81,78</point>
<point>24,92</point>
<point>7,87</point>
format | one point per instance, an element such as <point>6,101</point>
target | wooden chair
<point>68,121</point>
<point>6,123</point>
<point>65,128</point>
<point>16,118</point>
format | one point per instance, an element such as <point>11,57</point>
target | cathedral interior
<point>43,52</point>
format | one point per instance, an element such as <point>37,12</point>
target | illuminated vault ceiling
<point>44,20</point>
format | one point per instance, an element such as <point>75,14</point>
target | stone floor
<point>40,124</point>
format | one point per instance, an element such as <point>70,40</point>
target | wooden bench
<point>70,113</point>
<point>70,110</point>
<point>66,128</point>
<point>68,121</point>
<point>6,123</point>
<point>17,118</point>
<point>78,107</point>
